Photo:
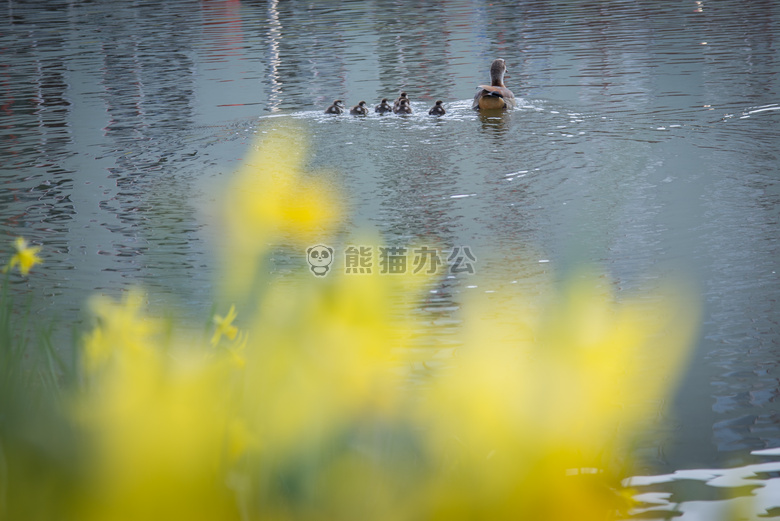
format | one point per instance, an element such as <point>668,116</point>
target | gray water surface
<point>646,141</point>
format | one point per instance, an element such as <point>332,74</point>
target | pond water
<point>646,141</point>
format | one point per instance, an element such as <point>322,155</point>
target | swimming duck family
<point>495,96</point>
<point>402,105</point>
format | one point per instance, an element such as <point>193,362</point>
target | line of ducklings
<point>402,105</point>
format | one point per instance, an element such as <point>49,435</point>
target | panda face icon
<point>319,258</point>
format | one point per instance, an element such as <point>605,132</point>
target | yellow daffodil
<point>122,330</point>
<point>540,406</point>
<point>271,199</point>
<point>25,257</point>
<point>311,411</point>
<point>237,350</point>
<point>224,326</point>
<point>160,414</point>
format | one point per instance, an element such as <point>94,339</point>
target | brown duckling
<point>496,95</point>
<point>437,110</point>
<point>360,109</point>
<point>337,108</point>
<point>403,107</point>
<point>397,102</point>
<point>383,107</point>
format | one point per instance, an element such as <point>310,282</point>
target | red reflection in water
<point>222,29</point>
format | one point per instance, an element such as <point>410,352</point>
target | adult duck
<point>437,109</point>
<point>383,107</point>
<point>496,95</point>
<point>337,108</point>
<point>360,109</point>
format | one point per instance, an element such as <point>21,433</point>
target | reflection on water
<point>646,141</point>
<point>747,492</point>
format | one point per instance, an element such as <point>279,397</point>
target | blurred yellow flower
<point>122,330</point>
<point>224,326</point>
<point>326,356</point>
<point>271,200</point>
<point>25,257</point>
<point>315,417</point>
<point>160,417</point>
<point>536,414</point>
<point>312,410</point>
<point>238,348</point>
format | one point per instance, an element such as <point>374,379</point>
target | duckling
<point>337,108</point>
<point>437,110</point>
<point>360,109</point>
<point>496,95</point>
<point>397,102</point>
<point>403,107</point>
<point>383,107</point>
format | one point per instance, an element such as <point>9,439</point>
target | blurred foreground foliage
<point>297,404</point>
